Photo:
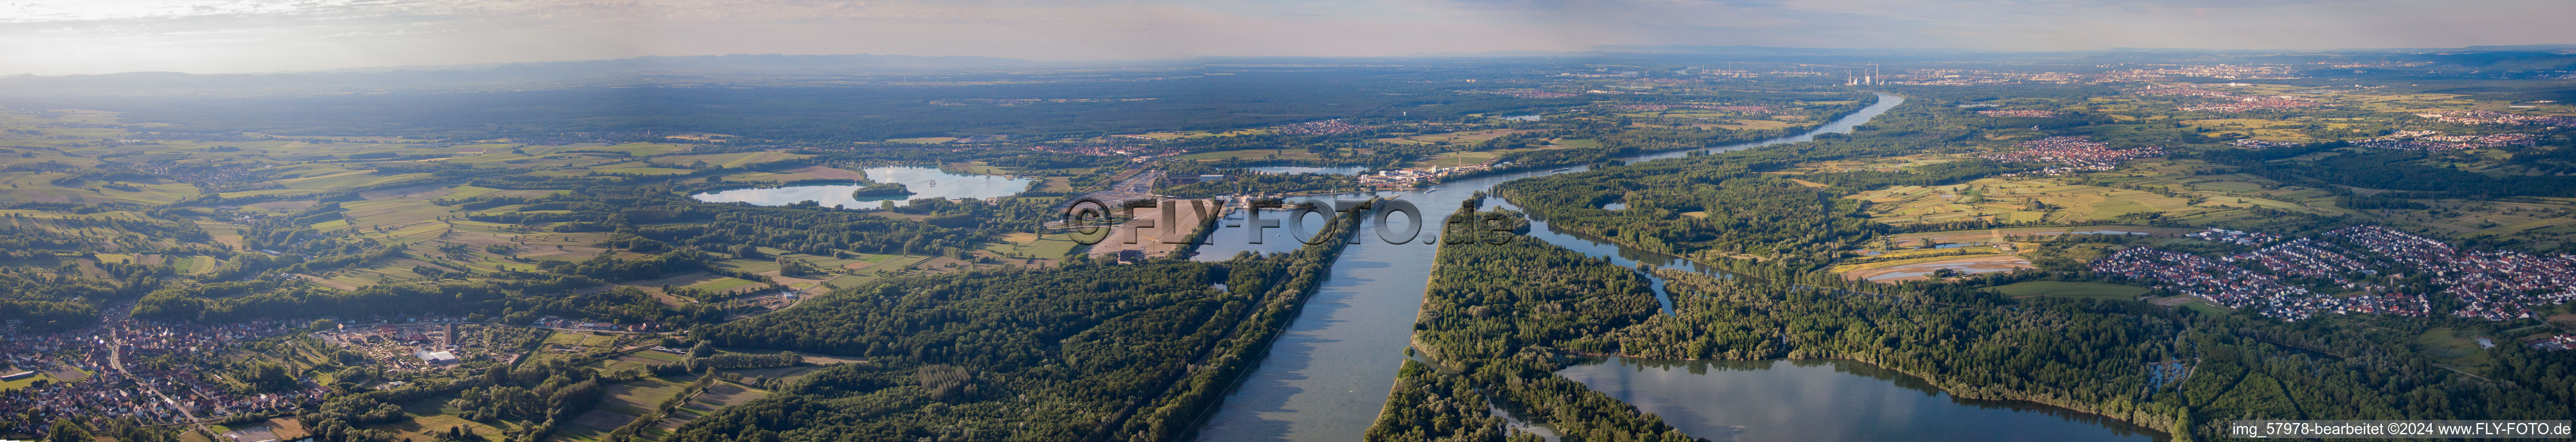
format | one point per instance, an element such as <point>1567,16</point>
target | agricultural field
<point>2011,200</point>
<point>729,160</point>
<point>2029,234</point>
<point>641,149</point>
<point>2544,222</point>
<point>1476,158</point>
<point>709,282</point>
<point>1032,246</point>
<point>1258,154</point>
<point>1928,267</point>
<point>1454,138</point>
<point>2451,346</point>
<point>434,416</point>
<point>2159,189</point>
<point>797,174</point>
<point>1742,124</point>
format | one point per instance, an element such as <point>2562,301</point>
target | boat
<point>1561,169</point>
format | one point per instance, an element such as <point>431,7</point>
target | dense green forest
<point>1742,210</point>
<point>2427,174</point>
<point>2093,355</point>
<point>208,210</point>
<point>1504,317</point>
<point>1085,351</point>
<point>1248,181</point>
<point>2088,355</point>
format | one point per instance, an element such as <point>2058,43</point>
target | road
<point>116,359</point>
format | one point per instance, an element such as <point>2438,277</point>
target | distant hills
<point>759,68</point>
<point>467,77</point>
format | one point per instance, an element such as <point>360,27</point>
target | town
<point>2073,154</point>
<point>149,370</point>
<point>2494,285</point>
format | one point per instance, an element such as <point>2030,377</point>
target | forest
<point>1499,320</point>
<point>1724,204</point>
<point>2090,355</point>
<point>1084,351</point>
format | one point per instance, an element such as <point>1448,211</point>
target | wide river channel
<point>1326,378</point>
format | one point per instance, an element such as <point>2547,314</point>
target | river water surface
<point>1829,400</point>
<point>1326,378</point>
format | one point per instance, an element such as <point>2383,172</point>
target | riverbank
<point>2116,412</point>
<point>1329,375</point>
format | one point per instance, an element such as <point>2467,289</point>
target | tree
<point>66,430</point>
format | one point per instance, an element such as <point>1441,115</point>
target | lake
<point>925,182</point>
<point>1326,377</point>
<point>1828,400</point>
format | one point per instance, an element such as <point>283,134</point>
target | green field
<point>2065,289</point>
<point>642,149</point>
<point>724,285</point>
<point>23,383</point>
<point>1253,154</point>
<point>639,397</point>
<point>2451,346</point>
<point>848,281</point>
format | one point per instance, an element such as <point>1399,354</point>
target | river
<point>1326,378</point>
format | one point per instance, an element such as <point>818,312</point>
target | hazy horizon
<point>60,37</point>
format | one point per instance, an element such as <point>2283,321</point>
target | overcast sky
<point>56,37</point>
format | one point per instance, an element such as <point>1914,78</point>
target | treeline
<point>2093,356</point>
<point>1244,180</point>
<point>2086,355</point>
<point>1429,405</point>
<point>526,401</point>
<point>514,298</point>
<point>20,232</point>
<point>1504,317</point>
<point>1712,206</point>
<point>1085,351</point>
<point>57,301</point>
<point>2421,173</point>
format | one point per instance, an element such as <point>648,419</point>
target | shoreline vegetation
<point>2117,410</point>
<point>1610,312</point>
<point>2093,356</point>
<point>1103,364</point>
<point>881,190</point>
